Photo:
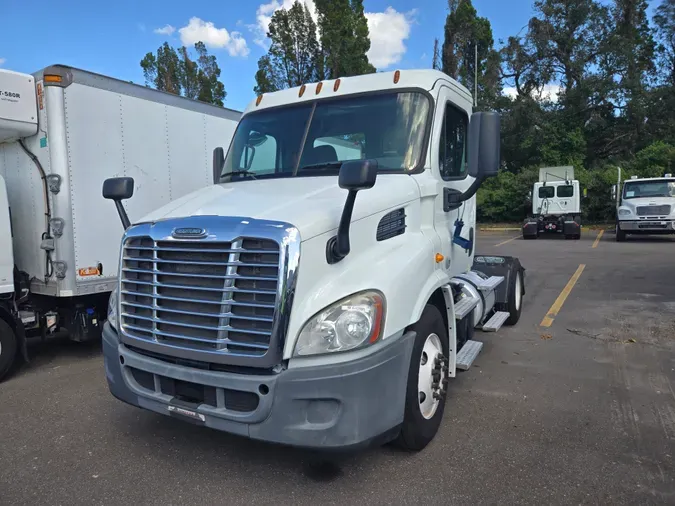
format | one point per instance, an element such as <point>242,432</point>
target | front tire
<point>620,234</point>
<point>8,347</point>
<point>427,382</point>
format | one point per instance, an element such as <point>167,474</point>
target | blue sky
<point>111,37</point>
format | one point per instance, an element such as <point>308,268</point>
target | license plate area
<point>653,224</point>
<point>183,411</point>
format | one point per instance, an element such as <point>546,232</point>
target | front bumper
<point>337,406</point>
<point>648,226</point>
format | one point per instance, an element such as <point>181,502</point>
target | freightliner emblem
<point>189,232</point>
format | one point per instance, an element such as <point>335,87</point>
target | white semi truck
<point>321,295</point>
<point>556,204</point>
<point>63,131</point>
<point>644,206</point>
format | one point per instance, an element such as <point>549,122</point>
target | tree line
<point>587,83</point>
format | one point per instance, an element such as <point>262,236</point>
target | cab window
<point>565,191</point>
<point>546,192</point>
<point>452,156</point>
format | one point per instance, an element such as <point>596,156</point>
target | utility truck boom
<point>325,289</point>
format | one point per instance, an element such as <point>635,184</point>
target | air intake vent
<point>391,225</point>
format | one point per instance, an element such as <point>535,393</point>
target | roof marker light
<point>336,86</point>
<point>302,90</point>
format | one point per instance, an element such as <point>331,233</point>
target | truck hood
<point>312,204</point>
<point>634,203</point>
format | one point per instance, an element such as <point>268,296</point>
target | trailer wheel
<point>514,295</point>
<point>8,345</point>
<point>620,234</point>
<point>427,382</point>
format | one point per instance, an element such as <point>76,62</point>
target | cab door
<point>450,166</point>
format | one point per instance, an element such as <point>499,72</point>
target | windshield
<point>645,189</point>
<point>315,138</point>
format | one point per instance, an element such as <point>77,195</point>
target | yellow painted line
<point>507,241</point>
<point>557,305</point>
<point>597,239</point>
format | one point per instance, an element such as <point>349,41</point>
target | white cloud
<point>165,30</point>
<point>2,61</point>
<point>548,92</point>
<point>205,31</point>
<point>388,32</point>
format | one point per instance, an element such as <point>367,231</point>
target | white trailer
<point>63,131</point>
<point>644,206</point>
<point>319,295</point>
<point>556,204</point>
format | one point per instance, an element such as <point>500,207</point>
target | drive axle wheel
<point>427,382</point>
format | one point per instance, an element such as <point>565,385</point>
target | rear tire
<point>8,348</point>
<point>515,296</point>
<point>423,411</point>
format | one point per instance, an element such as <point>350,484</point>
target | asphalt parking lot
<point>575,404</point>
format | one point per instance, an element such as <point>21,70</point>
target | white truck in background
<point>644,206</point>
<point>63,131</point>
<point>317,294</point>
<point>556,204</point>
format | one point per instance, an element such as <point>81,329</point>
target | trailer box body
<point>88,128</point>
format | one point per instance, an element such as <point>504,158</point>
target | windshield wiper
<point>239,173</point>
<point>322,166</point>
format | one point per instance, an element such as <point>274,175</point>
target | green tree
<point>164,70</point>
<point>464,32</point>
<point>294,56</point>
<point>344,37</point>
<point>175,71</point>
<point>211,90</point>
<point>664,19</point>
<point>297,55</point>
<point>630,63</point>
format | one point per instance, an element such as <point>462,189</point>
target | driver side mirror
<point>218,162</point>
<point>355,175</point>
<point>484,145</point>
<point>613,192</point>
<point>118,189</point>
<point>358,175</point>
<point>528,197</point>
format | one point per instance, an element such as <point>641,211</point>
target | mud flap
<point>20,332</point>
<point>530,229</point>
<point>571,228</point>
<point>500,266</point>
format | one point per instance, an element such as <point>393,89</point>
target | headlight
<point>351,323</point>
<point>112,309</point>
<point>624,212</point>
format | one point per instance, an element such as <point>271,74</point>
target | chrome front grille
<point>663,210</point>
<point>205,296</point>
